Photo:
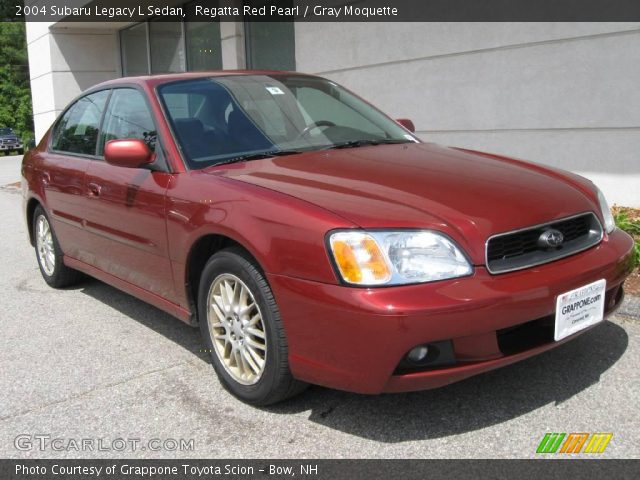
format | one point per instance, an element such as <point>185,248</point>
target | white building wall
<point>65,61</point>
<point>563,94</point>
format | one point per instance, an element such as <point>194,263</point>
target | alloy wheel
<point>237,329</point>
<point>44,245</point>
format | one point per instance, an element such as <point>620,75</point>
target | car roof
<point>154,80</point>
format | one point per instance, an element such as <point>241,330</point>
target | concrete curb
<point>630,307</point>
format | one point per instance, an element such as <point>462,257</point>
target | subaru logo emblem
<point>551,238</point>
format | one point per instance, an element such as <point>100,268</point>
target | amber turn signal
<point>359,258</point>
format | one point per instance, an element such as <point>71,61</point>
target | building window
<point>203,46</point>
<point>270,45</point>
<point>134,50</point>
<point>167,47</point>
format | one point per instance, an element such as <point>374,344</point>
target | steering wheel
<point>314,125</point>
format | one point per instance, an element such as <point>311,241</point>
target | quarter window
<point>77,130</point>
<point>128,117</point>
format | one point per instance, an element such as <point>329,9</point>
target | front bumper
<point>355,338</point>
<point>7,147</point>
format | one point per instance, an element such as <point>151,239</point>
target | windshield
<point>219,119</point>
<point>6,131</point>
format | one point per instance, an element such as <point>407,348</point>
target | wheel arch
<point>32,204</point>
<point>200,252</point>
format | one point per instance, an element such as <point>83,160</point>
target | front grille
<point>516,250</point>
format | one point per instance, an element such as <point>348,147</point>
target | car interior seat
<point>197,141</point>
<point>245,133</point>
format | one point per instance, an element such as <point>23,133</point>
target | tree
<point>15,89</point>
<point>8,9</point>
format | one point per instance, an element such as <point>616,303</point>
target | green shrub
<point>632,227</point>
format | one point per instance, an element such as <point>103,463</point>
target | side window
<point>128,117</point>
<point>77,130</point>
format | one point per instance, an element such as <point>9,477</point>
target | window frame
<point>184,42</point>
<point>106,108</point>
<point>147,40</point>
<point>56,124</point>
<point>160,164</point>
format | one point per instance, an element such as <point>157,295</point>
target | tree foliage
<point>8,9</point>
<point>15,90</point>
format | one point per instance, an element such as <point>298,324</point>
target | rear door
<point>126,217</point>
<point>62,169</point>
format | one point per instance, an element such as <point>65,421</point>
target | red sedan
<point>312,238</point>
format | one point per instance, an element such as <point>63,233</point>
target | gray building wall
<point>563,94</point>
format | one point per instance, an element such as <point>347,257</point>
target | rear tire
<point>242,330</point>
<point>49,254</point>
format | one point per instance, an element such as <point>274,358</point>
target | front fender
<point>284,234</point>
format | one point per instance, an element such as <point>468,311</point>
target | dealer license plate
<point>579,309</point>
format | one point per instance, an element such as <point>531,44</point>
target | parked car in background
<point>9,142</point>
<point>315,240</point>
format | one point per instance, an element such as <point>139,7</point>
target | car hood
<point>468,195</point>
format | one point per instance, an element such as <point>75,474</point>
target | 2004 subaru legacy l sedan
<point>312,238</point>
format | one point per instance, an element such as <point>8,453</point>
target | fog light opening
<point>418,354</point>
<point>427,355</point>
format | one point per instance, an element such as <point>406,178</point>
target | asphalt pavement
<point>93,364</point>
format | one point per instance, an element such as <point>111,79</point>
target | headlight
<point>609,221</point>
<point>396,257</point>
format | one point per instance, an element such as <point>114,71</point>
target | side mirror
<point>130,153</point>
<point>408,124</point>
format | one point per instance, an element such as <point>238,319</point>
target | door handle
<point>94,189</point>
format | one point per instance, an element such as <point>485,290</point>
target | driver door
<point>126,217</point>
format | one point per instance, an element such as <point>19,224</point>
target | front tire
<point>242,329</point>
<point>49,254</point>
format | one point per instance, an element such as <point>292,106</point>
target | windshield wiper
<point>365,143</point>
<point>257,156</point>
